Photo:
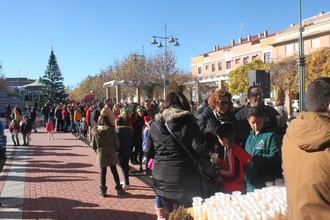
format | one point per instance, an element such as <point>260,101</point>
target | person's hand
<point>214,158</point>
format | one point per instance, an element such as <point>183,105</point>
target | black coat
<point>208,124</point>
<point>126,140</point>
<point>175,176</point>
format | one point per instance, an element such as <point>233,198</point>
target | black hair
<point>177,100</point>
<point>318,95</point>
<point>226,130</point>
<point>249,93</point>
<point>256,112</point>
<point>120,121</point>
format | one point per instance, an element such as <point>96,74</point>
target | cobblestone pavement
<point>58,179</point>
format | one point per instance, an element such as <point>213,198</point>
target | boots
<point>103,191</point>
<point>161,214</point>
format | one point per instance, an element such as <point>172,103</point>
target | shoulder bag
<point>209,183</point>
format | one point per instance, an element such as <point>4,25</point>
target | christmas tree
<point>54,91</point>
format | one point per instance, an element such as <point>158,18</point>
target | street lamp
<point>166,39</point>
<point>301,63</point>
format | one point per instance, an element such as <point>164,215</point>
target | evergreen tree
<point>54,91</point>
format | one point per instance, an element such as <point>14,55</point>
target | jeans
<point>158,202</point>
<point>123,163</point>
<point>115,175</point>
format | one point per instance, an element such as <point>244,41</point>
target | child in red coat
<point>233,162</point>
<point>50,129</point>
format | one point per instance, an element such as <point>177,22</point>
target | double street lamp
<point>157,41</point>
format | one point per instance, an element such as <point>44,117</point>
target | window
<point>255,57</point>
<point>237,61</point>
<point>316,43</point>
<point>219,66</point>
<point>245,60</point>
<point>206,67</point>
<point>228,65</point>
<point>213,67</point>
<point>267,57</point>
<point>199,70</point>
<point>289,49</point>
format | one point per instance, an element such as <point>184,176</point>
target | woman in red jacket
<point>231,166</point>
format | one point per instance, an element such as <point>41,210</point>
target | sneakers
<point>124,186</point>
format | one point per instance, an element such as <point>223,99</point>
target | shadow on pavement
<point>59,208</point>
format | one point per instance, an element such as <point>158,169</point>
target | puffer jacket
<point>174,175</point>
<point>306,166</point>
<point>105,145</point>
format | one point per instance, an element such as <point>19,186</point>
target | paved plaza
<point>58,179</point>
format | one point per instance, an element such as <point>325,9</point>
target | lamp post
<point>301,63</point>
<point>166,39</point>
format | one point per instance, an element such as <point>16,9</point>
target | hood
<point>102,129</point>
<point>171,113</point>
<point>310,131</point>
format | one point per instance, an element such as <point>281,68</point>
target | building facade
<point>211,68</point>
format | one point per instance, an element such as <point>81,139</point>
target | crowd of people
<point>178,145</point>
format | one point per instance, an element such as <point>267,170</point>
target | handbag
<point>209,183</point>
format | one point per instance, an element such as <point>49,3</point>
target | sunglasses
<point>256,94</point>
<point>224,102</point>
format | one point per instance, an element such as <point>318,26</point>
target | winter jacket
<point>105,145</point>
<point>232,169</point>
<point>208,123</point>
<point>306,166</point>
<point>26,127</point>
<point>77,116</point>
<point>89,116</point>
<point>266,157</point>
<point>243,127</point>
<point>50,126</point>
<point>126,140</point>
<point>174,175</point>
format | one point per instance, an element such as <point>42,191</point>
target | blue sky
<point>89,35</point>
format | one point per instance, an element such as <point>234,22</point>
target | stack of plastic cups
<point>197,207</point>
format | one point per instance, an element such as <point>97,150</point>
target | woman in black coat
<point>214,111</point>
<point>175,177</point>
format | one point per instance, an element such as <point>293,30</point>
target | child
<point>14,129</point>
<point>232,164</point>
<point>105,145</point>
<point>26,128</point>
<point>150,154</point>
<point>126,143</point>
<point>263,146</point>
<point>145,133</point>
<point>84,127</point>
<point>50,129</point>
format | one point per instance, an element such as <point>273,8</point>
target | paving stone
<point>58,179</point>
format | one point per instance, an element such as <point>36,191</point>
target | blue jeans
<point>158,202</point>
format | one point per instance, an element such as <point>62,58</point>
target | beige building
<point>211,68</point>
<point>316,35</point>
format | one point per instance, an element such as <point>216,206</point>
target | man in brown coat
<point>306,156</point>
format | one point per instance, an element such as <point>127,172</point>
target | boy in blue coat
<point>264,148</point>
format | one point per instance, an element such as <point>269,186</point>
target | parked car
<point>295,105</point>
